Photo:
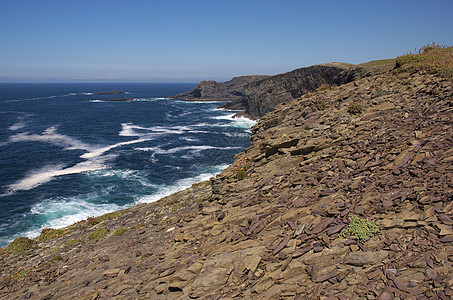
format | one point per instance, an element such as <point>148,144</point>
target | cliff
<point>261,96</point>
<point>258,95</point>
<point>346,193</point>
<point>213,90</point>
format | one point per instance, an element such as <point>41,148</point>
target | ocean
<point>67,154</point>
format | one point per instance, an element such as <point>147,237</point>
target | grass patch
<point>319,104</point>
<point>432,58</point>
<point>110,216</point>
<point>50,233</point>
<point>73,242</point>
<point>120,231</point>
<point>355,108</point>
<point>361,229</point>
<point>178,206</point>
<point>381,62</point>
<point>19,245</point>
<point>98,233</point>
<point>201,184</point>
<point>56,258</point>
<point>22,273</point>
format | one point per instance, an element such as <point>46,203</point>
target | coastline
<point>342,194</point>
<point>162,192</point>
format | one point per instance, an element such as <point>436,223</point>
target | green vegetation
<point>110,216</point>
<point>98,233</point>
<point>319,104</point>
<point>56,258</point>
<point>360,228</point>
<point>381,62</point>
<point>19,245</point>
<point>73,242</point>
<point>432,58</point>
<point>178,206</point>
<point>201,184</point>
<point>355,108</point>
<point>48,234</point>
<point>242,168</point>
<point>120,231</point>
<point>22,273</point>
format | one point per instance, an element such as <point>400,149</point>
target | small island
<point>119,99</point>
<point>109,93</point>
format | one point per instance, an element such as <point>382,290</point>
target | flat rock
<point>366,258</point>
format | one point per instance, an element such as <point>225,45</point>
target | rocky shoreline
<point>344,193</point>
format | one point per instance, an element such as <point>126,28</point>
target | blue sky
<point>189,41</point>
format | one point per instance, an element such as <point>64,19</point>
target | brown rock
<point>366,258</point>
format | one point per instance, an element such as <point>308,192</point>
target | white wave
<point>87,94</point>
<point>17,126</point>
<point>47,173</point>
<point>236,122</point>
<point>201,102</point>
<point>196,149</point>
<point>181,184</point>
<point>228,117</point>
<point>59,213</point>
<point>100,151</point>
<point>129,129</point>
<point>51,136</point>
<point>188,139</point>
<point>95,157</point>
<point>126,175</point>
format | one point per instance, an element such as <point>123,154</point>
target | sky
<point>189,41</point>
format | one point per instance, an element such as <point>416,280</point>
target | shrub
<point>98,233</point>
<point>432,58</point>
<point>360,228</point>
<point>242,168</point>
<point>72,242</point>
<point>355,108</point>
<point>50,233</point>
<point>110,216</point>
<point>120,231</point>
<point>19,245</point>
<point>319,104</point>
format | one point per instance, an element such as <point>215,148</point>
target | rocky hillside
<point>346,193</point>
<point>213,90</point>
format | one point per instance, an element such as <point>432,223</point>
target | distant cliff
<point>213,90</point>
<point>262,96</point>
<point>257,95</point>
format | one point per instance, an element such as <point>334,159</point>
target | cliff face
<point>258,95</point>
<point>262,96</point>
<point>213,90</point>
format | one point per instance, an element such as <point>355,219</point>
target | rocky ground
<point>345,193</point>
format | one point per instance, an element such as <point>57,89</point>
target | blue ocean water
<point>66,154</point>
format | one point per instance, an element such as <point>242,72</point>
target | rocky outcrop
<point>213,90</point>
<point>343,194</point>
<point>108,93</point>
